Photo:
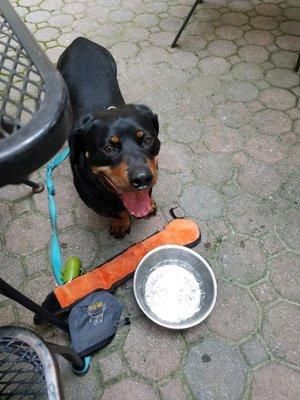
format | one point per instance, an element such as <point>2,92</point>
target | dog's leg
<point>120,226</point>
<point>153,208</point>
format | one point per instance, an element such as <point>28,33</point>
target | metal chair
<point>35,114</point>
<point>298,64</point>
<point>28,368</point>
<point>35,119</point>
<point>193,8</point>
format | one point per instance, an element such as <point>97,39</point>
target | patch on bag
<point>96,312</point>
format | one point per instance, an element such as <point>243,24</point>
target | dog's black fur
<point>90,73</point>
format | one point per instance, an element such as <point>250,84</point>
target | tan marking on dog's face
<point>117,175</point>
<point>152,163</point>
<point>115,139</point>
<point>140,134</point>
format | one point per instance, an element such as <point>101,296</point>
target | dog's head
<point>121,146</point>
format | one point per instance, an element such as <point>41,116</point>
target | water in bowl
<point>172,292</point>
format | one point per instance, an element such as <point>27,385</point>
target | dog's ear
<point>77,137</point>
<point>146,111</point>
<point>85,124</point>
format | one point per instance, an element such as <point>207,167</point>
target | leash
<point>55,251</point>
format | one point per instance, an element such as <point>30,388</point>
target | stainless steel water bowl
<point>194,263</point>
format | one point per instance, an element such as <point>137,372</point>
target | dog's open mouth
<point>137,203</point>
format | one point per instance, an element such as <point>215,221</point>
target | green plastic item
<point>71,269</point>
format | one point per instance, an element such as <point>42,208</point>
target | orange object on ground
<point>180,231</point>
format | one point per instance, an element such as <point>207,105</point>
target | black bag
<point>93,322</point>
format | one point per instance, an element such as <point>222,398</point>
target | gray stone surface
<point>275,382</point>
<point>250,217</point>
<point>227,102</point>
<point>129,389</point>
<point>146,344</point>
<point>173,390</point>
<point>34,231</point>
<point>264,292</point>
<point>265,149</point>
<point>215,370</point>
<point>287,225</point>
<point>280,330</point>
<point>259,179</point>
<point>272,122</point>
<point>254,351</point>
<point>284,274</point>
<point>235,314</point>
<point>223,139</point>
<point>111,366</point>
<point>278,99</point>
<point>242,260</point>
<point>202,201</point>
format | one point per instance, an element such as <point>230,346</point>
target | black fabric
<point>93,322</point>
<point>51,304</point>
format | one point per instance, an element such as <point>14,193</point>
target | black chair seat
<point>35,115</point>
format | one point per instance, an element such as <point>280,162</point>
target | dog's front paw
<point>153,208</point>
<point>120,227</point>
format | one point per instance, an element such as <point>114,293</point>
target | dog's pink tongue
<point>137,203</point>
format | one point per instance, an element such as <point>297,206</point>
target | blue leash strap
<point>55,252</point>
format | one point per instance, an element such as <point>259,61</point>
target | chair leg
<point>12,293</point>
<point>80,366</point>
<point>67,353</point>
<point>185,22</point>
<point>36,187</point>
<point>298,64</point>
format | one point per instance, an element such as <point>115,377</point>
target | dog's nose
<point>141,179</point>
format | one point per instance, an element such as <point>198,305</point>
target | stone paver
<point>275,382</point>
<point>145,345</point>
<point>223,139</point>
<point>227,99</point>
<point>280,330</point>
<point>11,271</point>
<point>287,225</point>
<point>213,168</point>
<point>285,276</point>
<point>173,390</point>
<point>34,231</point>
<point>272,122</point>
<point>129,389</point>
<point>242,260</point>
<point>265,149</point>
<point>259,179</point>
<point>202,201</point>
<point>71,245</point>
<point>264,292</point>
<point>228,317</point>
<point>249,217</point>
<point>215,370</point>
<point>111,366</point>
<point>278,99</point>
<point>254,351</point>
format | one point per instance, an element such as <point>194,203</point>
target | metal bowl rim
<point>213,278</point>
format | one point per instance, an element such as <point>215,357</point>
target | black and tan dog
<point>113,145</point>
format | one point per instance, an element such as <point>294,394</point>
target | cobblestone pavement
<point>227,99</point>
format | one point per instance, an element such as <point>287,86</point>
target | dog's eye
<point>148,141</point>
<point>108,148</point>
